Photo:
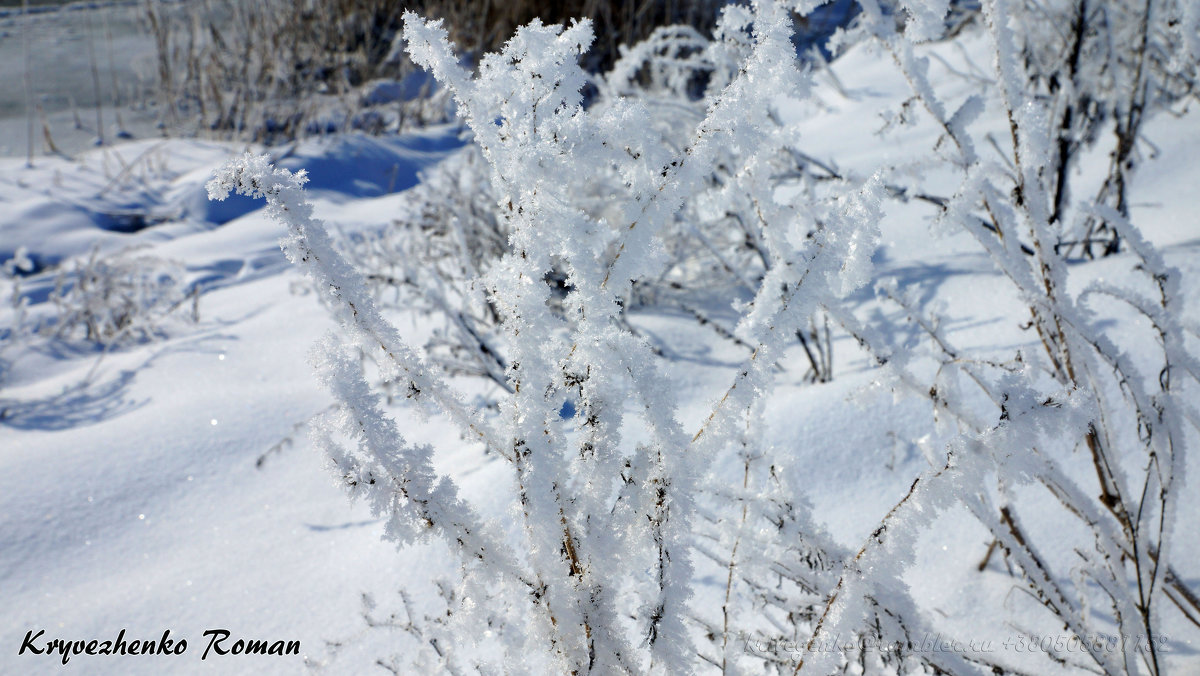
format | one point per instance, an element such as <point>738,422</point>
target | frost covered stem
<point>309,246</point>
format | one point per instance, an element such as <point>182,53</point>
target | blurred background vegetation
<point>285,68</point>
<point>277,70</point>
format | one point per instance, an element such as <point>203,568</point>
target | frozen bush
<point>617,514</point>
<point>1027,418</point>
<point>432,259</point>
<point>116,298</point>
<point>605,523</point>
<point>457,227</point>
<point>276,69</point>
<point>13,268</point>
<point>1099,68</point>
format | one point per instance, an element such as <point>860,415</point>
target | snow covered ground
<point>131,496</point>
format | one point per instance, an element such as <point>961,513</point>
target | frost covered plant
<point>1101,68</point>
<point>599,573</point>
<point>19,264</point>
<point>1099,419</point>
<point>456,224</point>
<point>116,298</point>
<point>431,259</point>
<point>616,513</point>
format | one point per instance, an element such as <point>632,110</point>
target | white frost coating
<point>926,19</point>
<point>613,533</point>
<point>308,246</point>
<point>540,148</point>
<point>1082,391</point>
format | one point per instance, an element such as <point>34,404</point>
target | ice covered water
<point>65,41</point>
